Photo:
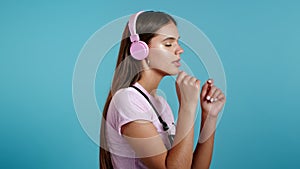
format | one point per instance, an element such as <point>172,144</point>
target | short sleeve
<point>130,106</point>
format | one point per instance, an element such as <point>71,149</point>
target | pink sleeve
<point>130,106</point>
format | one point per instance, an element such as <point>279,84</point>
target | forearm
<point>181,154</point>
<point>203,153</point>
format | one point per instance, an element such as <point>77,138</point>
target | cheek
<point>159,63</point>
<point>160,58</point>
<point>160,54</point>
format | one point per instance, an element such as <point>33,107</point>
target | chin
<point>174,72</point>
<point>171,72</point>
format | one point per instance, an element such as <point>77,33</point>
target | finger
<point>210,82</point>
<point>222,97</point>
<point>216,94</point>
<point>177,88</point>
<point>204,90</point>
<point>186,79</point>
<point>192,81</point>
<point>197,83</point>
<point>180,76</point>
<point>210,93</point>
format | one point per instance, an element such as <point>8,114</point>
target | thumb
<point>205,88</point>
<point>178,91</point>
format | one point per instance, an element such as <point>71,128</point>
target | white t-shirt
<point>129,105</point>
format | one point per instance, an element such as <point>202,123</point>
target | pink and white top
<point>129,105</point>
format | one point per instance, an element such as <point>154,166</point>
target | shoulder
<point>128,96</point>
<point>130,102</point>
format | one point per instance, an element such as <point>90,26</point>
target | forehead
<point>169,30</point>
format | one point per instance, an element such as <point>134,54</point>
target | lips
<point>177,63</point>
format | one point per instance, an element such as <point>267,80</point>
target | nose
<point>179,50</point>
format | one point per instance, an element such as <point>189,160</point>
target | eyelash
<point>168,45</point>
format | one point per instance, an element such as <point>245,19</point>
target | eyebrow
<point>170,38</point>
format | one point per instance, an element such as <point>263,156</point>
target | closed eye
<point>168,44</point>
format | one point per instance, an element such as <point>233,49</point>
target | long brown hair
<point>128,70</point>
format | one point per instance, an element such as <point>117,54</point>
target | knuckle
<point>185,82</point>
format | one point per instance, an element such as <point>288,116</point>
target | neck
<point>150,80</point>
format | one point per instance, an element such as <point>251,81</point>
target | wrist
<point>207,128</point>
<point>206,114</point>
<point>208,119</point>
<point>187,109</point>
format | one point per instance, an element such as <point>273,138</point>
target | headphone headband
<point>132,27</point>
<point>139,50</point>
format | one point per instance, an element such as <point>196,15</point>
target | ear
<point>146,64</point>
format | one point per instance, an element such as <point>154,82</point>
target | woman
<point>138,129</point>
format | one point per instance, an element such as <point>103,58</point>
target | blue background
<point>258,42</point>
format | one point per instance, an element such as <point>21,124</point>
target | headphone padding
<point>139,50</point>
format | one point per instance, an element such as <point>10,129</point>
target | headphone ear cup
<point>139,50</point>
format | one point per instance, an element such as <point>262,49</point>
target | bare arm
<point>144,139</point>
<point>212,101</point>
<point>147,144</point>
<point>203,153</point>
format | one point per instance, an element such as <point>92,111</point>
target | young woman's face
<point>164,53</point>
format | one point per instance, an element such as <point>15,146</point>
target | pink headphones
<point>139,50</point>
